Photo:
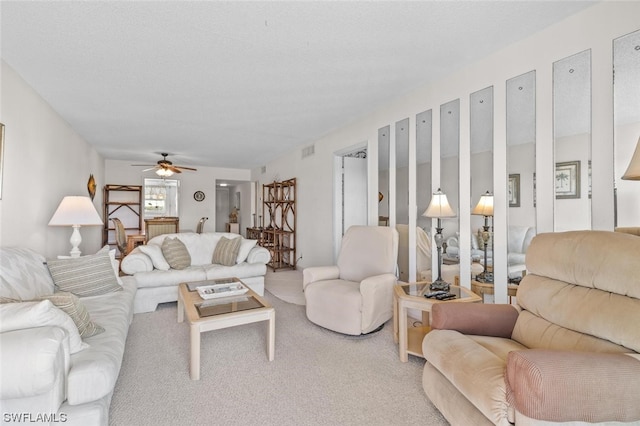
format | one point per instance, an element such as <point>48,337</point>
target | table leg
<point>395,319</point>
<point>271,338</point>
<point>402,333</point>
<point>194,366</point>
<point>180,308</point>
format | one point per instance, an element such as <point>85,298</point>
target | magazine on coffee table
<point>221,290</point>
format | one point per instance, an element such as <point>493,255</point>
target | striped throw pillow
<point>176,253</point>
<point>226,251</point>
<point>86,275</point>
<point>70,304</point>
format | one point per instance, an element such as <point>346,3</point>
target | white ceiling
<point>237,84</point>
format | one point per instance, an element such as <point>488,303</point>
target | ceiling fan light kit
<point>165,168</point>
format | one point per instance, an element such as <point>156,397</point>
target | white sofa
<point>158,284</point>
<point>50,374</point>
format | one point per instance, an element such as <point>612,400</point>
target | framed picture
<point>514,190</point>
<point>568,179</point>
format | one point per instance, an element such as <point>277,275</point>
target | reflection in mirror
<point>449,174</point>
<point>626,95</point>
<point>572,142</point>
<point>402,171</point>
<point>423,194</point>
<point>481,110</point>
<point>402,193</point>
<point>521,169</point>
<point>383,176</point>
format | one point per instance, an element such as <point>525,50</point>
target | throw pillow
<point>155,254</point>
<point>69,303</point>
<point>245,248</point>
<point>176,253</point>
<point>18,316</point>
<point>226,251</point>
<point>86,275</point>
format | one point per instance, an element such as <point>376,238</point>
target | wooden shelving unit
<point>279,212</point>
<point>125,203</point>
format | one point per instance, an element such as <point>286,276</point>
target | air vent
<point>263,169</point>
<point>309,150</point>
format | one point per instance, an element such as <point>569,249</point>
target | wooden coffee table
<point>215,314</point>
<point>410,296</point>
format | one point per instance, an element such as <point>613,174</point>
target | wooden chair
<point>121,236</point>
<point>200,226</point>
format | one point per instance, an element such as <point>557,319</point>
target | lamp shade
<point>485,205</point>
<point>75,210</point>
<point>633,171</point>
<point>439,206</point>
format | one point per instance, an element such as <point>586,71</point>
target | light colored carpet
<point>285,285</point>
<point>318,377</point>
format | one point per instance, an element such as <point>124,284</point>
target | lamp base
<point>439,284</point>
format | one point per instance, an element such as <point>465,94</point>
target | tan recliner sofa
<point>567,353</point>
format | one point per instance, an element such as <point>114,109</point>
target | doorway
<point>350,191</point>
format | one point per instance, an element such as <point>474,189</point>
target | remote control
<point>435,293</point>
<point>445,296</point>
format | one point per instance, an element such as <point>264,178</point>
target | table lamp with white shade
<point>438,208</point>
<point>633,170</point>
<point>76,211</point>
<point>485,208</point>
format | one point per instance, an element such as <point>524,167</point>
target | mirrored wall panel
<point>521,169</point>
<point>626,93</point>
<point>424,127</point>
<point>402,172</point>
<point>383,176</point>
<point>449,171</point>
<point>481,174</point>
<point>572,142</point>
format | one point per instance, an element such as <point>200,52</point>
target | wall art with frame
<point>568,180</point>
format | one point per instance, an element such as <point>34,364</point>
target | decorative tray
<point>221,290</point>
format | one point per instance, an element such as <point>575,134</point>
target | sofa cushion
<point>18,316</point>
<point>226,251</point>
<point>241,270</point>
<point>176,253</point>
<point>172,277</point>
<point>95,370</point>
<point>155,254</point>
<point>23,274</point>
<point>86,275</point>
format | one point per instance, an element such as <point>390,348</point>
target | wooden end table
<point>411,296</point>
<point>215,314</point>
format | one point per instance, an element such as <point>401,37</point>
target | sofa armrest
<point>258,254</point>
<point>319,273</point>
<point>33,360</point>
<point>475,318</point>
<point>562,386</point>
<point>136,261</point>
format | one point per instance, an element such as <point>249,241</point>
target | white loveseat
<point>158,283</point>
<point>50,375</point>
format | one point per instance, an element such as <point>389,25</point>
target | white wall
<point>44,160</point>
<point>595,28</point>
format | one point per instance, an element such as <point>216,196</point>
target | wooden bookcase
<point>279,213</point>
<point>125,203</point>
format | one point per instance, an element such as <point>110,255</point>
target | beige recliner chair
<point>356,295</point>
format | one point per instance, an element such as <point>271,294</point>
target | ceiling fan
<point>164,167</point>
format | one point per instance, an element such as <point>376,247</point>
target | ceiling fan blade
<point>172,168</point>
<point>151,168</point>
<point>143,165</point>
<point>186,168</point>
